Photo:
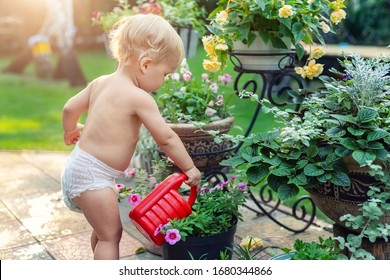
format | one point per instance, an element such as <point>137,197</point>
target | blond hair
<point>141,35</point>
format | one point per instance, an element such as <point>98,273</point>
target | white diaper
<point>84,172</point>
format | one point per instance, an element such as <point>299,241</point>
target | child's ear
<point>145,63</point>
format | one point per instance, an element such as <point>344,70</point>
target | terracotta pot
<point>201,146</point>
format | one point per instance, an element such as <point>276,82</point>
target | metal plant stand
<point>272,85</point>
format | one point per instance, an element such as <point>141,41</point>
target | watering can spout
<point>162,204</point>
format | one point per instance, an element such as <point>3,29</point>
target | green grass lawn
<point>30,108</point>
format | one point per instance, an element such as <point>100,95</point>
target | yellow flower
<point>310,1</point>
<point>313,69</point>
<point>255,242</point>
<point>221,17</point>
<point>317,53</point>
<point>337,16</point>
<point>221,46</point>
<point>209,45</point>
<point>300,71</point>
<point>212,65</point>
<point>325,27</point>
<point>286,11</point>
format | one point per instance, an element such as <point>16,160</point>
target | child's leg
<point>94,240</point>
<point>100,207</point>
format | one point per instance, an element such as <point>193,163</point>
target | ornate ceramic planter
<point>336,201</point>
<point>201,146</point>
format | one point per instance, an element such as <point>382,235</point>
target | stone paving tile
<point>28,252</point>
<point>77,246</point>
<point>13,234</point>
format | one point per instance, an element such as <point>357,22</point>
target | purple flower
<point>227,78</point>
<point>242,186</point>
<point>203,191</point>
<point>134,199</point>
<point>158,229</point>
<point>172,236</point>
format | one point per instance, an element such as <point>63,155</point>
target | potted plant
<point>186,16</point>
<point>209,231</point>
<point>335,146</point>
<point>216,212</point>
<point>324,249</point>
<point>194,107</point>
<point>280,24</point>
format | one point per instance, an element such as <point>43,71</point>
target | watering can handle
<point>193,193</point>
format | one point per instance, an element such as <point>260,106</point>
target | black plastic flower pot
<point>201,247</point>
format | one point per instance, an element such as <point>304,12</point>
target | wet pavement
<point>36,225</point>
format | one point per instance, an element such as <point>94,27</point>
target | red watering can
<point>160,205</point>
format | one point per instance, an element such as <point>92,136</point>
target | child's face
<point>154,77</point>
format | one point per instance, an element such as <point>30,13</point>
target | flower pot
<point>201,247</point>
<point>260,55</point>
<point>205,152</point>
<point>335,201</point>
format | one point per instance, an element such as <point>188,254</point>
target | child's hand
<point>71,137</point>
<point>194,177</point>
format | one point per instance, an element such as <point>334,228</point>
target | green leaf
<point>366,115</point>
<point>313,170</point>
<point>287,191</point>
<point>274,182</point>
<point>335,132</point>
<point>377,134</point>
<point>362,157</point>
<point>349,143</point>
<point>299,180</point>
<point>340,179</point>
<point>233,162</point>
<point>312,151</point>
<point>256,173</point>
<point>356,132</point>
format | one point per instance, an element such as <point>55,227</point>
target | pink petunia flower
<point>172,236</point>
<point>187,76</point>
<point>227,78</point>
<point>134,199</point>
<point>120,186</point>
<point>158,230</point>
<point>130,172</point>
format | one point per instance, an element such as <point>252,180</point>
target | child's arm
<point>71,112</point>
<point>149,114</point>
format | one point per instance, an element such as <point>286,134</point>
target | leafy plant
<point>348,118</point>
<point>369,223</point>
<point>184,13</point>
<point>280,22</point>
<point>183,98</point>
<point>215,211</point>
<point>325,249</point>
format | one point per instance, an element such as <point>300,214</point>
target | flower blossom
<point>175,76</point>
<point>242,186</point>
<point>311,70</point>
<point>221,17</point>
<point>187,76</point>
<point>286,11</point>
<point>172,236</point>
<point>251,243</point>
<point>325,27</point>
<point>134,199</point>
<point>212,65</point>
<point>318,53</point>
<point>210,112</point>
<point>130,172</point>
<point>120,186</point>
<point>337,16</point>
